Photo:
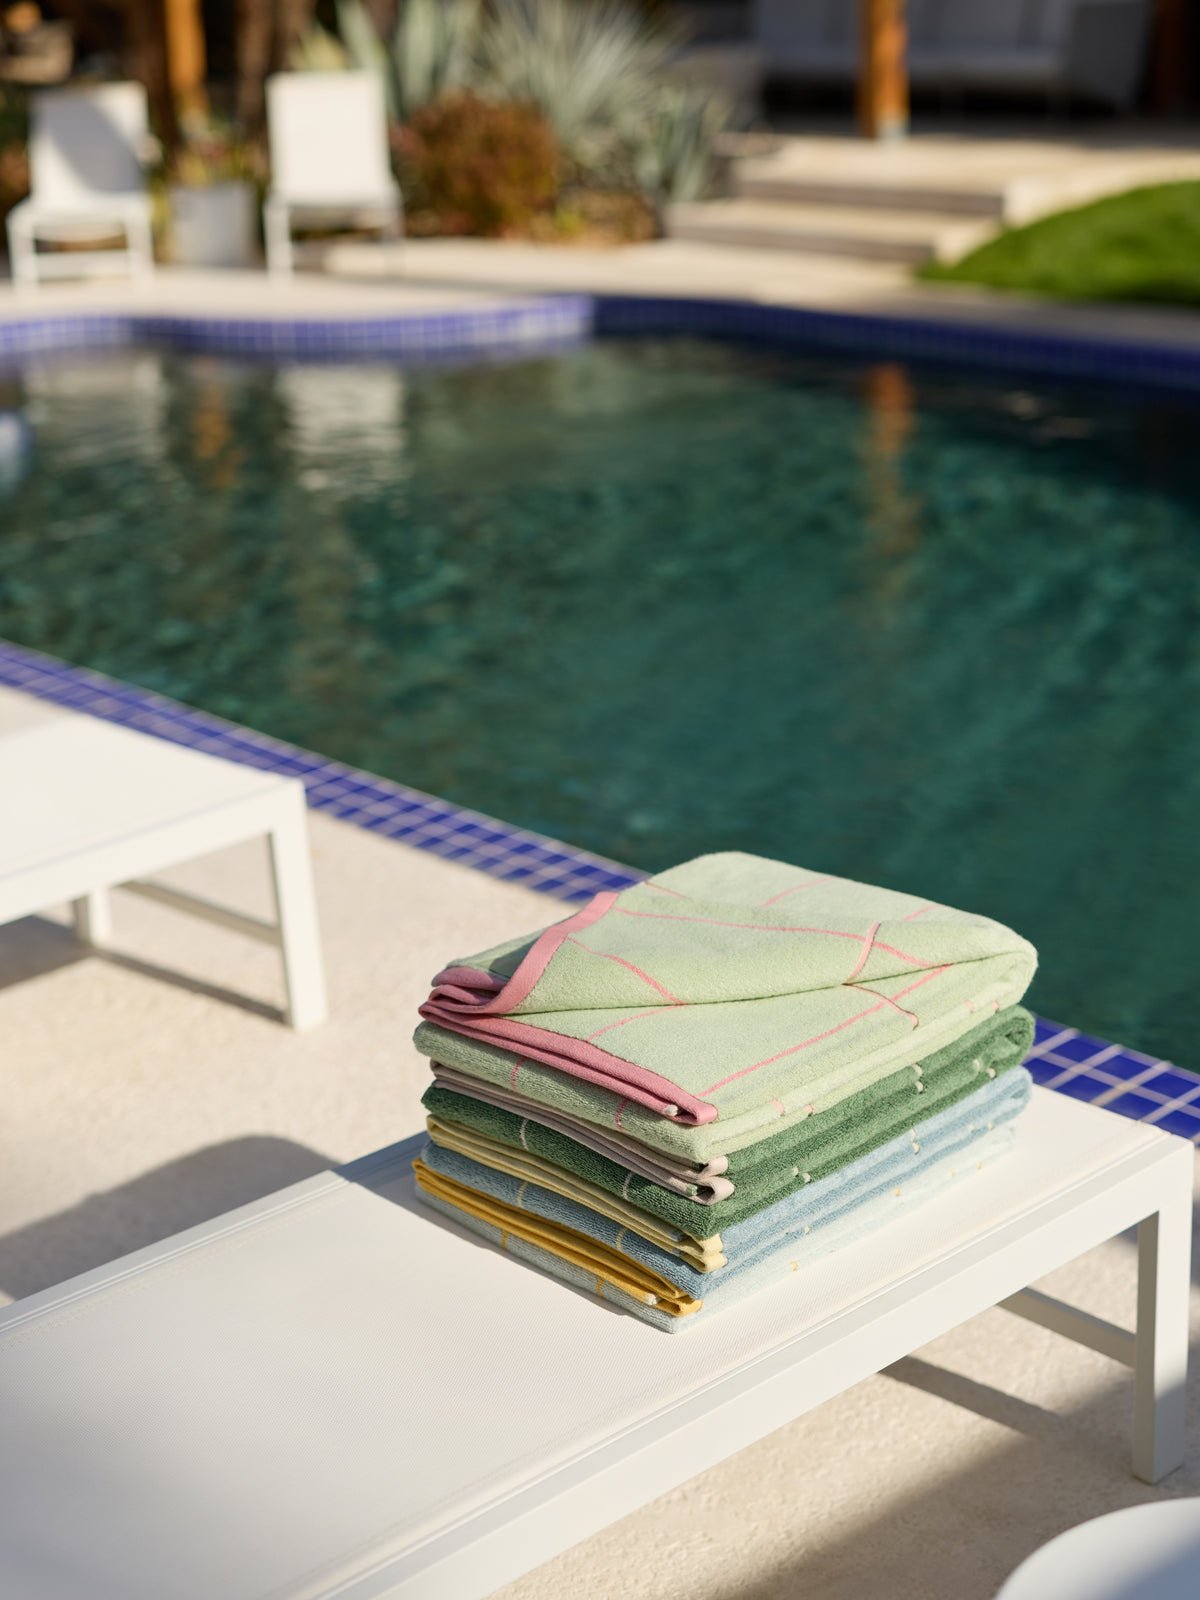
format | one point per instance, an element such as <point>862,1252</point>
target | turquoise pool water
<point>659,597</point>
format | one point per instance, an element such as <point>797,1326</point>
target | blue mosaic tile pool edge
<point>1125,1081</point>
<point>1062,1058</point>
<point>395,810</point>
<point>475,329</point>
<point>555,318</point>
<point>1063,354</point>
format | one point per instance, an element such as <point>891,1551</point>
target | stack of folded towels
<point>686,1090</point>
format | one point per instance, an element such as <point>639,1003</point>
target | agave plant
<point>592,67</point>
<point>673,146</point>
<point>316,50</point>
<point>431,51</point>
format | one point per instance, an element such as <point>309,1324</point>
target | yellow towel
<point>706,1255</point>
<point>599,1262</point>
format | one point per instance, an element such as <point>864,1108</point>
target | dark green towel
<point>764,1172</point>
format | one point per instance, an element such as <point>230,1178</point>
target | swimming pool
<point>661,596</point>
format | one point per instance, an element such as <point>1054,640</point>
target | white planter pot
<point>214,227</point>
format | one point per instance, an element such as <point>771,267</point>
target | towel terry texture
<point>734,989</point>
<point>761,1174</point>
<point>527,1184</point>
<point>669,1293</point>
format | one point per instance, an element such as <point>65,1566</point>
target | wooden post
<point>883,69</point>
<point>186,66</point>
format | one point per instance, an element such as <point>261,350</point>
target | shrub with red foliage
<point>14,177</point>
<point>477,166</point>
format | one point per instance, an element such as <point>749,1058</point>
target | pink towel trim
<point>468,983</point>
<point>578,1058</point>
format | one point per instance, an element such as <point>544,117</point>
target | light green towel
<point>729,991</point>
<point>789,1161</point>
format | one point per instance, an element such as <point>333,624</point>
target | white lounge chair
<point>329,158</point>
<point>85,807</point>
<point>332,1392</point>
<point>86,151</point>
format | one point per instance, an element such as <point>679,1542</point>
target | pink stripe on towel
<point>654,984</point>
<point>817,1037</point>
<point>796,888</point>
<point>868,941</point>
<point>580,1059</point>
<point>771,927</point>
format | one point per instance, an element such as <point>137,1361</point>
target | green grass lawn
<point>1144,245</point>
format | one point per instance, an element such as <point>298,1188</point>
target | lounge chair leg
<point>296,908</point>
<point>277,237</point>
<point>1161,1352</point>
<point>22,251</point>
<point>139,244</point>
<point>93,917</point>
<point>394,244</point>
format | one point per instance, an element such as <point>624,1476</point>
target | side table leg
<point>93,917</point>
<point>1161,1356</point>
<point>297,912</point>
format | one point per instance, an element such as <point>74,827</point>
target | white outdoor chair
<point>86,151</point>
<point>329,158</point>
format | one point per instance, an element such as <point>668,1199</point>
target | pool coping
<point>508,320</point>
<point>1124,1080</point>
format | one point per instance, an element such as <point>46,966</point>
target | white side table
<point>1149,1552</point>
<point>86,807</point>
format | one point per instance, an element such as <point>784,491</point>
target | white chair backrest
<point>328,135</point>
<point>87,142</point>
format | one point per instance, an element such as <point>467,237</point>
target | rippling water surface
<point>660,597</point>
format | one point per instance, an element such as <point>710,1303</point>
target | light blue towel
<point>776,1242</point>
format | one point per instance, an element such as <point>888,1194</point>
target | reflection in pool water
<point>658,597</point>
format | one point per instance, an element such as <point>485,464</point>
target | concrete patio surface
<point>353,280</point>
<point>148,1089</point>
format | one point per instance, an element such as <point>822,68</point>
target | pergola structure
<point>186,64</point>
<point>883,69</point>
<point>882,97</point>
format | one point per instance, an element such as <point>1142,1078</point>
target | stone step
<point>864,233</point>
<point>766,180</point>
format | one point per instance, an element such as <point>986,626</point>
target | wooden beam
<point>186,64</point>
<point>883,69</point>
